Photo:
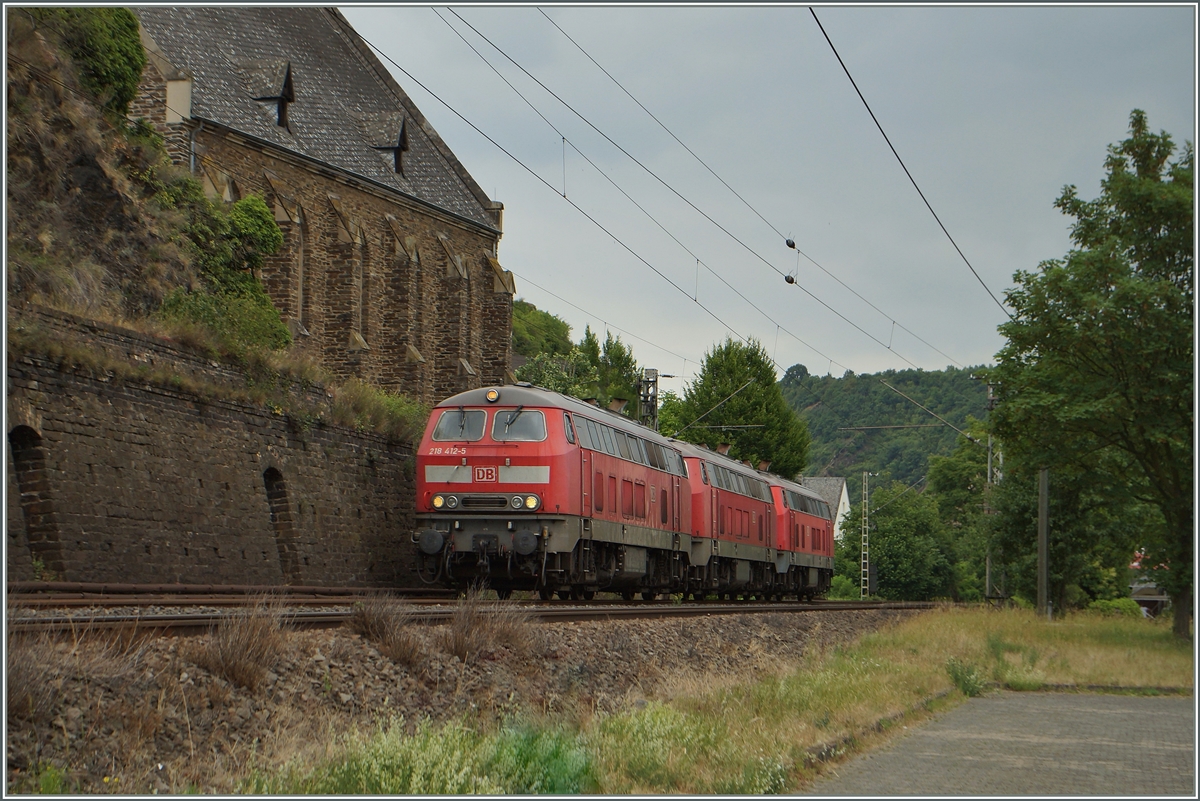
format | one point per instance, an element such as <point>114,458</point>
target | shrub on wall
<point>228,245</point>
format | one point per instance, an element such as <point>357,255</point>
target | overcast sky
<point>992,109</point>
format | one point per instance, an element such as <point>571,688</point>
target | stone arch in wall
<point>37,504</point>
<point>281,525</point>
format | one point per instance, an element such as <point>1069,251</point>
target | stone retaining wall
<point>131,481</point>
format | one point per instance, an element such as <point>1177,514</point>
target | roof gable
<point>302,80</point>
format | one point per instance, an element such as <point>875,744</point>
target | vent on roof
<point>270,81</point>
<point>386,132</point>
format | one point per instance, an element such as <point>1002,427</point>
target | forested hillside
<point>828,404</point>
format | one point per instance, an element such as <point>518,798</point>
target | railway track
<point>337,609</point>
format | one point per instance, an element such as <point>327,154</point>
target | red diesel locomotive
<point>527,489</point>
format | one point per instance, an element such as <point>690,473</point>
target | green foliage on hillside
<point>604,371</point>
<point>827,404</point>
<point>105,46</point>
<point>535,331</point>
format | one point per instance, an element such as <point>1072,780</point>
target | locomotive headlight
<point>438,501</point>
<point>517,501</point>
<point>492,395</point>
<point>532,502</point>
<point>451,502</point>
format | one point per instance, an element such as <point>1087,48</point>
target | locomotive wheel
<point>626,595</point>
<point>589,595</point>
<point>564,595</point>
<point>545,594</point>
<point>504,594</point>
<point>649,595</point>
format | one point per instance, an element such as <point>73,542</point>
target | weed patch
<point>452,759</point>
<point>244,646</point>
<point>966,678</point>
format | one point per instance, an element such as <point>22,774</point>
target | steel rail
<point>543,613</point>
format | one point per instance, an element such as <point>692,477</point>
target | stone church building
<point>389,268</point>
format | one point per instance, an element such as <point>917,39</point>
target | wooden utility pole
<point>1043,540</point>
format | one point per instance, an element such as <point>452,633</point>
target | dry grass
<point>388,623</point>
<point>479,627</point>
<point>31,693</point>
<point>244,646</point>
<point>706,733</point>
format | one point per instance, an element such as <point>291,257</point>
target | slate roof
<point>828,487</point>
<point>347,108</point>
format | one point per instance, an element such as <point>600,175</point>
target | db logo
<point>485,473</point>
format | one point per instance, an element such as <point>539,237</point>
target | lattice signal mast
<point>865,587</point>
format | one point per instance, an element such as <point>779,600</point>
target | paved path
<point>1034,744</point>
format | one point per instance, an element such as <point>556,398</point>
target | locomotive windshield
<point>459,425</point>
<point>518,425</point>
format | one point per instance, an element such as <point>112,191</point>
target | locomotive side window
<point>627,497</point>
<point>639,499</point>
<point>703,473</point>
<point>460,425</point>
<point>622,444</point>
<point>598,492</point>
<point>518,425</point>
<point>567,428</point>
<point>593,435</point>
<point>609,445</point>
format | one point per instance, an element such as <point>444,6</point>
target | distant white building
<point>833,491</point>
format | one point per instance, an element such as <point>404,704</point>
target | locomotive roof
<point>529,395</point>
<point>728,462</point>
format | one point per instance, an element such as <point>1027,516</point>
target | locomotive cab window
<point>567,428</point>
<point>460,425</point>
<point>518,425</point>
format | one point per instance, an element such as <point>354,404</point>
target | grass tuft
<point>478,627</point>
<point>388,622</point>
<point>244,645</point>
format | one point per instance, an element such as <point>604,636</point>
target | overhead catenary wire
<point>676,192</point>
<point>699,261</point>
<point>757,213</point>
<point>904,167</point>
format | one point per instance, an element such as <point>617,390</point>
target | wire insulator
<point>791,243</point>
<point>791,279</point>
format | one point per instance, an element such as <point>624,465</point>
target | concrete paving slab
<point>1034,744</point>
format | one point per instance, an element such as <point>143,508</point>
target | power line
<point>663,126</point>
<point>647,213</point>
<point>550,186</point>
<point>736,194</point>
<point>935,414</point>
<point>905,168</point>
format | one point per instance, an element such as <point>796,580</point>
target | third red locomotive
<point>527,489</point>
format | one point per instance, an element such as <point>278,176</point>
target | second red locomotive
<point>527,489</point>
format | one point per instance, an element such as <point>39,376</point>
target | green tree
<point>958,485</point>
<point>616,369</point>
<point>106,48</point>
<point>736,400</point>
<point>536,331</point>
<point>1092,536</point>
<point>905,546</point>
<point>1097,374</point>
<point>571,374</point>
